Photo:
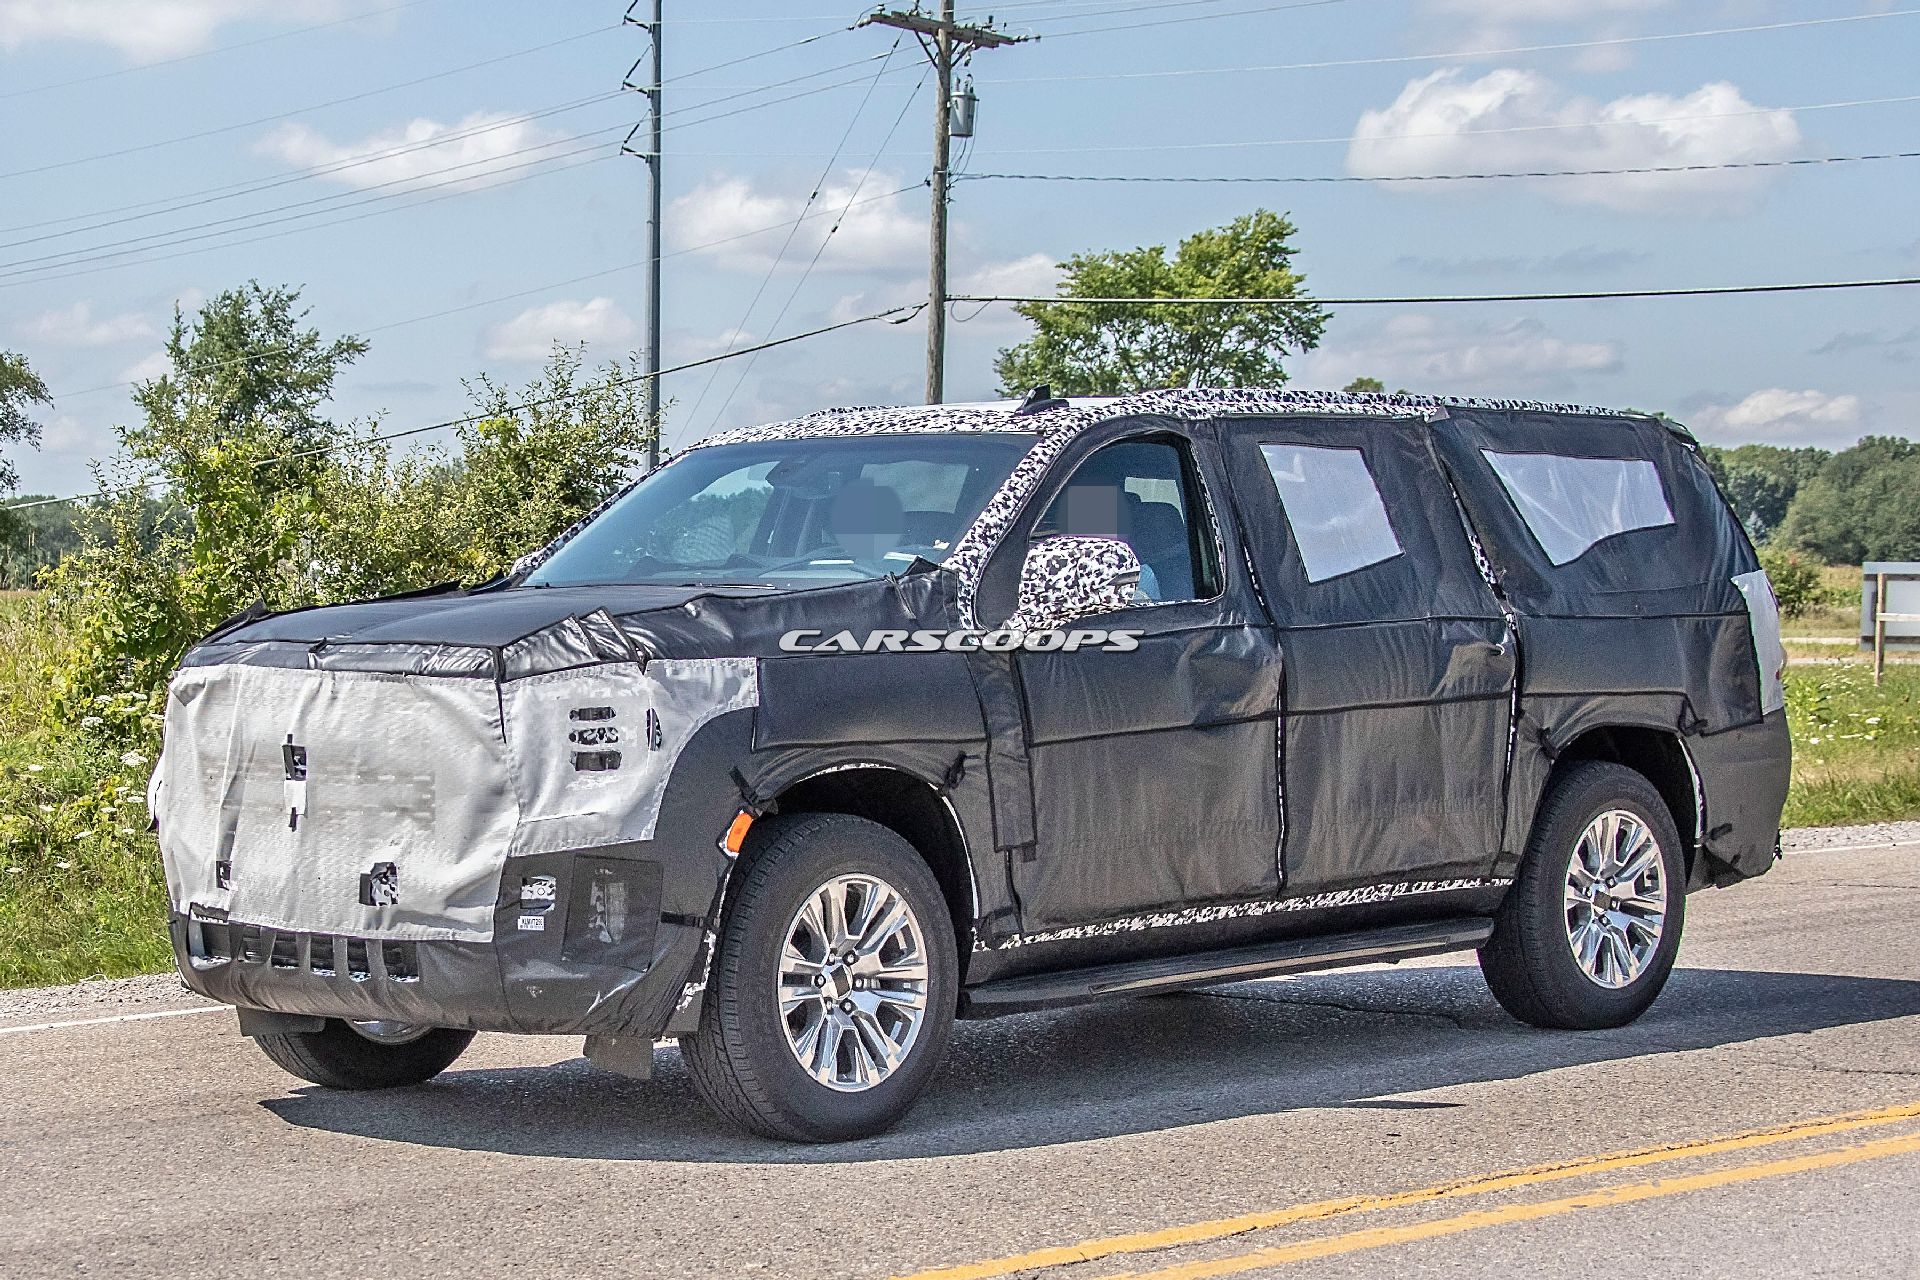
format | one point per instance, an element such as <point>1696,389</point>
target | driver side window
<point>1147,494</point>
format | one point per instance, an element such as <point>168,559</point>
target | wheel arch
<point>911,807</point>
<point>1657,754</point>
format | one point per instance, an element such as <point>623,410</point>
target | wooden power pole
<point>947,43</point>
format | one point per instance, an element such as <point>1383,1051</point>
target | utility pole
<point>947,44</point>
<point>651,91</point>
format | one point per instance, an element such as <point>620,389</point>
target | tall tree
<point>20,389</point>
<point>235,433</point>
<point>1760,480</point>
<point>1863,505</point>
<point>1106,348</point>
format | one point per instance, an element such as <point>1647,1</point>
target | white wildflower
<point>132,759</point>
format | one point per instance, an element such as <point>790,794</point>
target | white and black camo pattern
<point>1360,897</point>
<point>1065,579</point>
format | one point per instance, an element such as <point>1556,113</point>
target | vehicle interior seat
<point>1159,537</point>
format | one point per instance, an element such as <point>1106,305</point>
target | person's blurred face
<point>867,521</point>
<point>1090,511</point>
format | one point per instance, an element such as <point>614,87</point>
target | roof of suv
<point>1082,412</point>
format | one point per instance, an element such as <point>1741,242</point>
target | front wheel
<point>833,990</point>
<point>366,1055</point>
<point>1587,936</point>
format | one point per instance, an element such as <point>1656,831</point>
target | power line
<point>1459,54</point>
<point>27,275</point>
<point>32,271</point>
<point>299,111</point>
<point>212,195</point>
<point>826,173</point>
<point>825,240</point>
<point>1461,133</point>
<point>1443,177</point>
<point>905,312</point>
<point>1588,295</point>
<point>408,183</point>
<point>460,190</point>
<point>207,53</point>
<point>269,352</point>
<point>1129,9</point>
<point>1198,17</point>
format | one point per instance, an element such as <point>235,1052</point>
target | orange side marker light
<point>736,836</point>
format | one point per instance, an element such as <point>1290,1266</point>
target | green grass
<point>81,894</point>
<point>1856,748</point>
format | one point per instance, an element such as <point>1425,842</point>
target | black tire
<point>338,1057</point>
<point>740,1058</point>
<point>1529,961</point>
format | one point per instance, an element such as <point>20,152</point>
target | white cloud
<point>1778,415</point>
<point>77,326</point>
<point>1034,275</point>
<point>531,334</point>
<point>1518,11</point>
<point>68,436</point>
<point>1514,120</point>
<point>485,145</point>
<point>151,367</point>
<point>1424,354</point>
<point>877,235</point>
<point>144,30</point>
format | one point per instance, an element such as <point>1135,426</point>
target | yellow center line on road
<point>1221,1228</point>
<point>1601,1198</point>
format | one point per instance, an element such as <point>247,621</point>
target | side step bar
<point>1208,968</point>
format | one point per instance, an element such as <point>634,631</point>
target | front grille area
<point>318,955</point>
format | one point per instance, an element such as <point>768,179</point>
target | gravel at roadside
<point>99,998</point>
<point>1811,839</point>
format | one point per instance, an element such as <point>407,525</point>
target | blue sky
<point>471,253</point>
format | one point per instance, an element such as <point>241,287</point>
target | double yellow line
<point>1378,1237</point>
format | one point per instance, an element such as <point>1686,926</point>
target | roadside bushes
<point>1798,583</point>
<point>235,488</point>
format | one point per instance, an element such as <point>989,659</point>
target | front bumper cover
<point>581,946</point>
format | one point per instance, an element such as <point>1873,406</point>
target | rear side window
<point>1333,507</point>
<point>1569,504</point>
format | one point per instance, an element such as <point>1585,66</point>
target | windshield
<point>791,513</point>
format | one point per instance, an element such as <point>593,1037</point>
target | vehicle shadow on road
<point>1257,1048</point>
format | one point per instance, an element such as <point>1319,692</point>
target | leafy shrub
<point>1797,581</point>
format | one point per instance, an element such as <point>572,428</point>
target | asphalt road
<point>1762,1120</point>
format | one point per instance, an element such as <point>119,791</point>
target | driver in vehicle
<point>867,520</point>
<point>1095,506</point>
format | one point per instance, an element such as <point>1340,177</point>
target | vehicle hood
<point>513,632</point>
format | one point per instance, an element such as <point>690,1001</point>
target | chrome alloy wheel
<point>389,1031</point>
<point>853,982</point>
<point>1616,898</point>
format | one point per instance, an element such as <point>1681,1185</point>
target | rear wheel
<point>832,994</point>
<point>1587,936</point>
<point>366,1055</point>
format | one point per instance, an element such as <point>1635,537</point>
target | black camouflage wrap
<point>1282,759</point>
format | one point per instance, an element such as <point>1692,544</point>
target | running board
<point>1207,968</point>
